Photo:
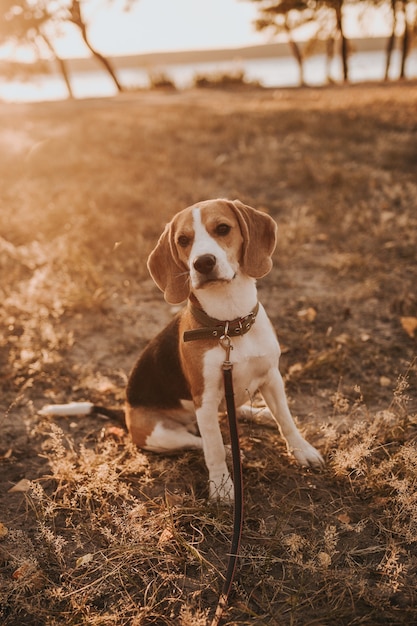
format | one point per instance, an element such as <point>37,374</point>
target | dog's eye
<point>223,229</point>
<point>183,241</point>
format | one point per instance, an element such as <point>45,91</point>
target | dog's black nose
<point>205,263</point>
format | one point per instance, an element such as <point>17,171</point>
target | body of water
<point>270,72</point>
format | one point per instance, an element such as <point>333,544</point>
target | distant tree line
<point>37,23</point>
<point>326,20</point>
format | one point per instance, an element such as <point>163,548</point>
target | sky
<point>161,25</point>
<point>166,25</point>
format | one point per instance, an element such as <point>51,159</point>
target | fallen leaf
<point>309,314</point>
<point>166,536</point>
<point>344,518</point>
<point>261,464</point>
<point>409,324</point>
<point>342,339</point>
<point>116,432</point>
<point>7,454</point>
<point>30,574</point>
<point>82,561</point>
<point>23,570</point>
<point>174,499</point>
<point>295,369</point>
<point>324,559</point>
<point>3,531</point>
<point>379,501</point>
<point>384,381</point>
<point>22,486</point>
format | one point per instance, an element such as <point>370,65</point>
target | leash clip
<point>226,344</point>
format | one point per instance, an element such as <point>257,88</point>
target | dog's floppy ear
<point>259,232</point>
<point>170,275</point>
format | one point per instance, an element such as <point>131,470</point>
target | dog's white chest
<point>253,356</point>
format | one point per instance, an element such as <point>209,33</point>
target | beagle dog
<point>209,255</point>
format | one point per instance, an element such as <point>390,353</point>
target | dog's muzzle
<point>205,264</point>
<point>207,269</point>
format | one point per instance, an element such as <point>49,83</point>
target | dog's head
<point>211,242</point>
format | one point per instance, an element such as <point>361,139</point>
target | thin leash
<point>227,366</point>
<point>212,328</point>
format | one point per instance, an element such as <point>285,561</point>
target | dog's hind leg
<point>164,439</point>
<point>161,430</point>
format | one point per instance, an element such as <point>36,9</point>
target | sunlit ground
<point>100,533</point>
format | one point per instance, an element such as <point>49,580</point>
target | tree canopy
<point>326,19</point>
<point>37,22</point>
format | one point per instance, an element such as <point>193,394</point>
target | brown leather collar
<point>214,329</point>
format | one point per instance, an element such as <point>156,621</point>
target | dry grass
<point>104,534</point>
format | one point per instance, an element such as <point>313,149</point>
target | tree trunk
<point>77,19</point>
<point>105,62</point>
<point>61,64</point>
<point>329,59</point>
<point>344,42</point>
<point>405,45</point>
<point>65,75</point>
<point>295,49</point>
<point>391,40</point>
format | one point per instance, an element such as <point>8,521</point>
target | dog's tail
<point>80,409</point>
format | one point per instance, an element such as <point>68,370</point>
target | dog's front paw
<point>306,454</point>
<point>221,489</point>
